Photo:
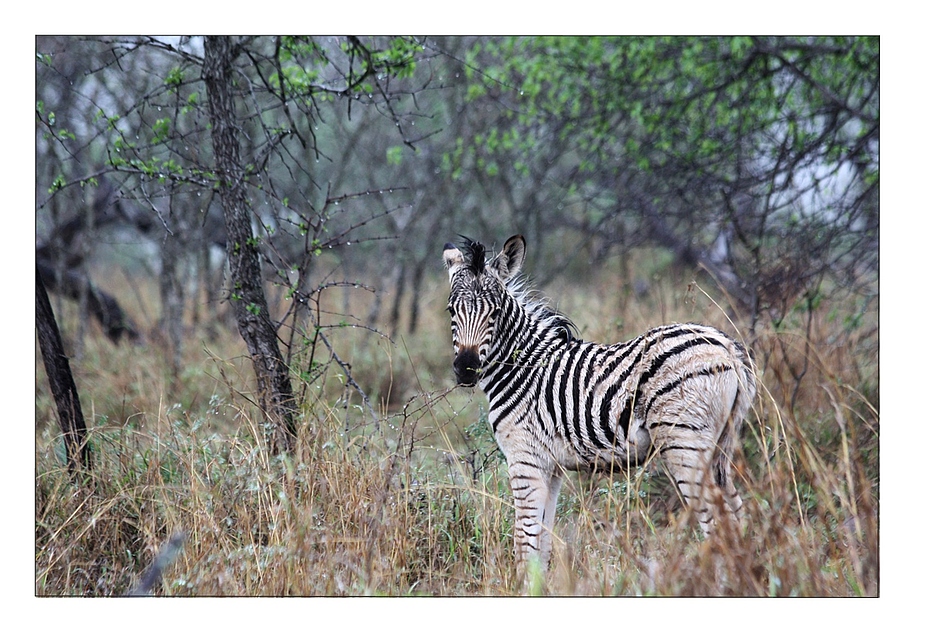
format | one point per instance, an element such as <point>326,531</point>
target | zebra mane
<point>539,308</point>
<point>475,255</point>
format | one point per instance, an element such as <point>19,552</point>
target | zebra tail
<point>726,444</point>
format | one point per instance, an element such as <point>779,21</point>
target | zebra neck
<point>524,343</point>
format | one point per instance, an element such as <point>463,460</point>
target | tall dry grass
<point>420,505</point>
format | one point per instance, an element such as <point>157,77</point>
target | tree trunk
<point>103,306</point>
<point>247,296</point>
<point>172,295</point>
<point>63,388</point>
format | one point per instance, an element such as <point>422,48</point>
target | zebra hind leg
<point>687,465</point>
<point>728,498</point>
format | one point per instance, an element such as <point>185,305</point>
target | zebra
<point>558,403</point>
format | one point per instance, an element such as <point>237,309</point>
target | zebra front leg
<point>535,490</point>
<point>549,517</point>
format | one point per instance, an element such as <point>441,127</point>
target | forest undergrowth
<point>417,502</point>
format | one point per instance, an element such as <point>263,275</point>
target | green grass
<point>421,505</point>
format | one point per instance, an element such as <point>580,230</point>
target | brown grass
<point>421,506</point>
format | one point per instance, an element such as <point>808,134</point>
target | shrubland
<point>404,493</point>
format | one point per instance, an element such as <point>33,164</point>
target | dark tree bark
<point>63,388</point>
<point>103,306</point>
<point>247,296</point>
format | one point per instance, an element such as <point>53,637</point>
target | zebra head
<point>477,290</point>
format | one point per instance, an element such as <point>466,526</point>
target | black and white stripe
<point>558,403</point>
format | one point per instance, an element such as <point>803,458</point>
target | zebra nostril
<point>467,367</point>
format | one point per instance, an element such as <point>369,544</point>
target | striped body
<point>557,403</point>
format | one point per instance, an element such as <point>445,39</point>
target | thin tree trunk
<point>247,295</point>
<point>417,279</point>
<point>395,315</point>
<point>70,283</point>
<point>63,388</point>
<point>172,298</point>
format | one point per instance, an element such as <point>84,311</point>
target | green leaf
<point>174,78</point>
<point>393,155</point>
<point>161,130</point>
<point>57,184</point>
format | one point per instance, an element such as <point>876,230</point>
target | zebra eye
<point>451,310</point>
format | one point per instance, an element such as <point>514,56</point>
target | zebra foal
<point>558,403</point>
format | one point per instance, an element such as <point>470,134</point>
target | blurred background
<point>753,162</point>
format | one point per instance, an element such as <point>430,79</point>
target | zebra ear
<point>510,260</point>
<point>452,258</point>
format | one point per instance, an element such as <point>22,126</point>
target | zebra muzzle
<point>467,367</point>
